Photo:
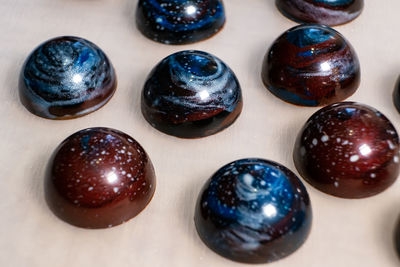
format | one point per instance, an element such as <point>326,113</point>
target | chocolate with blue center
<point>327,12</point>
<point>179,21</point>
<point>191,94</point>
<point>66,77</point>
<point>253,211</point>
<point>311,65</point>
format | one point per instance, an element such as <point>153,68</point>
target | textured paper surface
<point>349,233</point>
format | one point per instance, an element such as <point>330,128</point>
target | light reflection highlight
<point>365,150</point>
<point>190,10</point>
<point>112,177</point>
<point>269,210</point>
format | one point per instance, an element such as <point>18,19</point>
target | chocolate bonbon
<point>253,211</point>
<point>191,94</point>
<point>348,150</point>
<point>327,12</point>
<point>66,77</point>
<point>311,65</point>
<point>99,178</point>
<point>180,21</point>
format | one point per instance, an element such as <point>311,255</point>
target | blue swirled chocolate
<point>307,36</point>
<point>253,211</point>
<point>66,77</point>
<point>191,94</point>
<point>327,12</point>
<point>311,65</point>
<point>179,21</point>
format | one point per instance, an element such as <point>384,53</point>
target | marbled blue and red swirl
<point>253,211</point>
<point>327,12</point>
<point>191,94</point>
<point>179,21</point>
<point>66,77</point>
<point>311,65</point>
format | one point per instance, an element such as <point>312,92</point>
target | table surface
<point>344,232</point>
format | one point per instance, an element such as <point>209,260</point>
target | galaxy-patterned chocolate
<point>348,150</point>
<point>66,77</point>
<point>99,178</point>
<point>311,65</point>
<point>191,94</point>
<point>253,211</point>
<point>179,21</point>
<point>327,12</point>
